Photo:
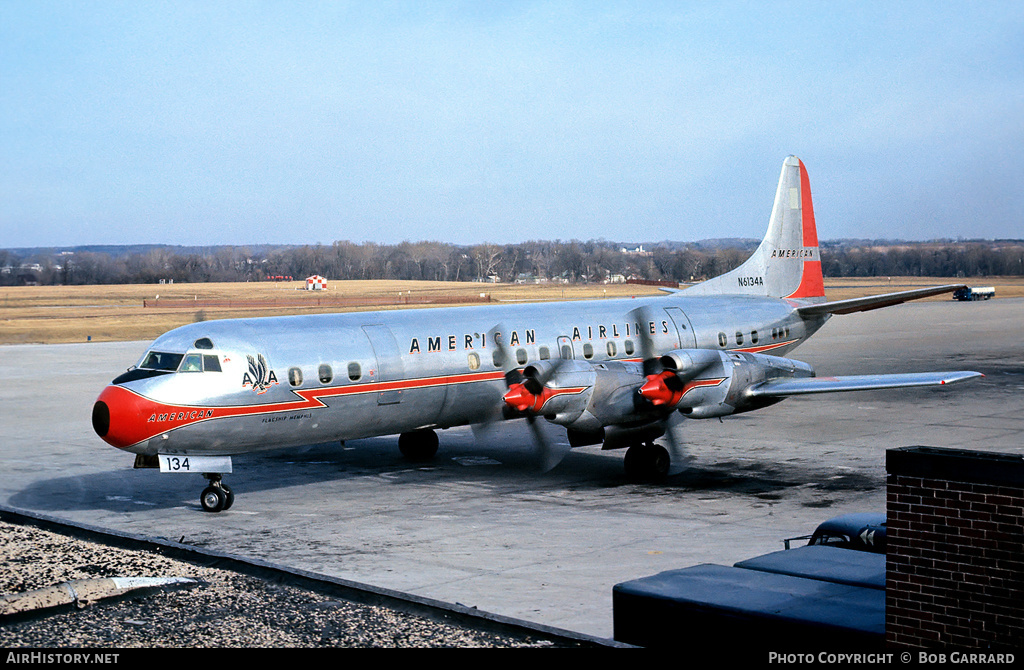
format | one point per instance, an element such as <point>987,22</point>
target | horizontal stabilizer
<point>874,301</point>
<point>787,387</point>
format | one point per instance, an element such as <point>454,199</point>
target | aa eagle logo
<point>260,377</point>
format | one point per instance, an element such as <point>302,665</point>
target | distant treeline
<point>572,261</point>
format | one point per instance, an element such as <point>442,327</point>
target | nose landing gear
<point>216,497</point>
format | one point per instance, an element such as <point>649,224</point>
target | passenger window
<point>497,358</point>
<point>474,360</point>
<point>211,363</point>
<point>588,351</point>
<point>325,373</point>
<point>739,337</point>
<point>192,363</point>
<point>753,337</point>
<point>723,341</point>
<point>566,352</point>
<point>545,353</point>
<point>295,376</point>
<point>628,347</point>
<point>521,357</point>
<point>355,372</point>
<point>611,349</point>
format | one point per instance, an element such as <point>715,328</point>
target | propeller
<point>662,387</point>
<point>525,395</point>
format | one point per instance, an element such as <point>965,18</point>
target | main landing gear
<point>419,445</point>
<point>647,461</point>
<point>216,497</point>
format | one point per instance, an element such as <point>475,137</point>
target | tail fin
<point>786,264</point>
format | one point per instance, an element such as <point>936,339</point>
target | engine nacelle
<point>688,363</point>
<point>553,388</point>
<point>587,397</point>
<point>705,383</point>
<point>582,396</point>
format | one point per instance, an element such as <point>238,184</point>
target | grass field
<point>55,314</point>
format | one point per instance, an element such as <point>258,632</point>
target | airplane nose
<point>117,417</point>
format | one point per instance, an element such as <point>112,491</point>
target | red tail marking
<point>812,284</point>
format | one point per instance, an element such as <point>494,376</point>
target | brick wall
<point>955,561</point>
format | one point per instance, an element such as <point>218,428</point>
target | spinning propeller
<point>663,386</point>
<point>527,392</point>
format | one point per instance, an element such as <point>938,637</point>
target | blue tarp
<point>718,605</point>
<point>831,564</point>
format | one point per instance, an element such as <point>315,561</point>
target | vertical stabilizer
<point>786,264</point>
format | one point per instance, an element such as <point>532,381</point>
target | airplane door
<point>687,338</point>
<point>565,348</point>
<point>389,361</point>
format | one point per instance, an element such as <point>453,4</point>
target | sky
<point>245,123</point>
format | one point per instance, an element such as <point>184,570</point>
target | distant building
<point>316,283</point>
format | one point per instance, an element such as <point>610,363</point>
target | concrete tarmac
<point>480,526</point>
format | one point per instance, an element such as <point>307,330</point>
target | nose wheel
<point>216,497</point>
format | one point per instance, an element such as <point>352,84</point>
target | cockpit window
<point>192,363</point>
<point>203,343</point>
<point>157,360</point>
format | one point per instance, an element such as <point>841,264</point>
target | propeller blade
<point>647,350</point>
<point>680,459</point>
<point>549,452</point>
<point>507,357</point>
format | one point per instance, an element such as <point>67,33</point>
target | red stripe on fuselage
<point>766,347</point>
<point>134,418</point>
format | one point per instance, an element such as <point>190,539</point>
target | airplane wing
<point>874,301</point>
<point>779,388</point>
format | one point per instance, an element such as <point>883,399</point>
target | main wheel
<point>647,462</point>
<point>420,445</point>
<point>659,462</point>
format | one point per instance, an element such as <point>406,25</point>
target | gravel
<point>226,609</point>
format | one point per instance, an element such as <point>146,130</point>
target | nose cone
<point>657,390</point>
<point>519,398</point>
<point>119,417</point>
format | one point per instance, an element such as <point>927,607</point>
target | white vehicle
<point>974,293</point>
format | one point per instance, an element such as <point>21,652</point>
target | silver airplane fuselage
<point>347,376</point>
<point>611,372</point>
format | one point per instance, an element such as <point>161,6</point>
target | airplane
<point>614,372</point>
